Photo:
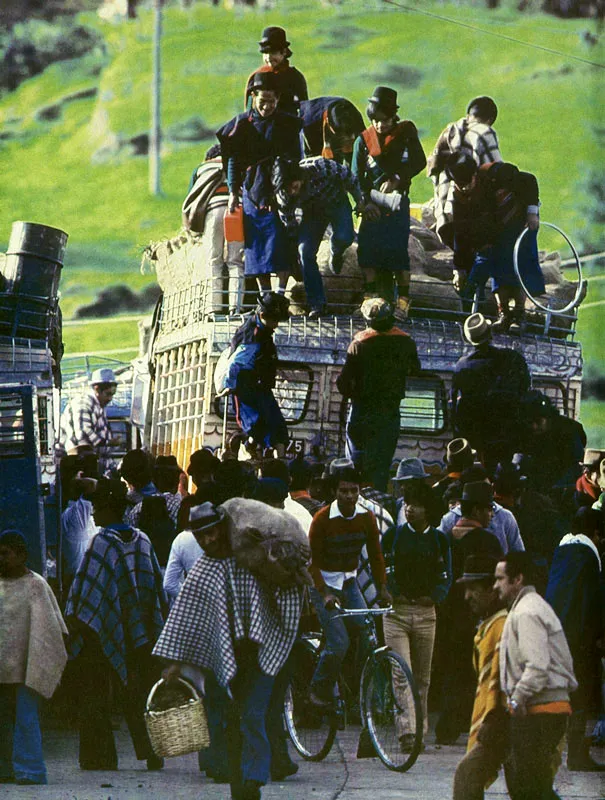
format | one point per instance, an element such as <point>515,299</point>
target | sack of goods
<point>269,542</point>
<point>176,719</point>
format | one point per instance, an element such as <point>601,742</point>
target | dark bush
<point>32,46</point>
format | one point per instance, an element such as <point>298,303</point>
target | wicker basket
<point>180,730</point>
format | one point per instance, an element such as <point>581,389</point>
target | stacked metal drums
<point>29,280</point>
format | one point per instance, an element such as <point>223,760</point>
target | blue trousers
<point>310,234</point>
<point>337,636</point>
<point>238,735</point>
<point>20,737</point>
<point>371,440</point>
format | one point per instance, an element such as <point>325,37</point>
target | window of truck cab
<point>424,407</point>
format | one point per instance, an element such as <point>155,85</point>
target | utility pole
<point>155,134</point>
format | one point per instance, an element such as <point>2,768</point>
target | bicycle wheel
<point>392,710</point>
<point>311,730</point>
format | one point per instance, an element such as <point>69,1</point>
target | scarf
<point>372,139</point>
<point>587,487</point>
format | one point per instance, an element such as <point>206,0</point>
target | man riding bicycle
<point>337,536</point>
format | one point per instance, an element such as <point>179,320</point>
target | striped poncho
<point>117,593</point>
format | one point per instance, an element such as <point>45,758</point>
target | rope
<point>493,33</point>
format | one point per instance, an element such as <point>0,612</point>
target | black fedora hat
<point>384,98</point>
<point>204,516</point>
<point>273,38</point>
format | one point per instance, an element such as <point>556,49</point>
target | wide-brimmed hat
<point>591,456</point>
<point>376,309</point>
<point>477,329</point>
<point>385,99</point>
<point>273,38</point>
<point>478,568</point>
<point>410,468</point>
<point>459,453</point>
<point>338,464</point>
<point>274,306</point>
<point>479,493</point>
<point>202,461</point>
<point>103,375</point>
<point>204,516</point>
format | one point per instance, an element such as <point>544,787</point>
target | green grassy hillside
<point>57,167</point>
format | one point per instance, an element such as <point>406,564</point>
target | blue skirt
<point>260,417</point>
<point>383,245</point>
<point>496,262</point>
<point>265,240</point>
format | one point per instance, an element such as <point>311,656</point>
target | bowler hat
<point>459,455</point>
<point>103,375</point>
<point>478,493</point>
<point>274,306</point>
<point>202,462</point>
<point>264,82</point>
<point>384,98</point>
<point>477,329</point>
<point>273,38</point>
<point>410,468</point>
<point>205,516</point>
<point>478,567</point>
<point>375,309</point>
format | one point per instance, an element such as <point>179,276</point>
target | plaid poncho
<point>475,138</point>
<point>118,594</point>
<point>222,604</point>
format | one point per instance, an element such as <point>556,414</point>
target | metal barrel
<point>34,259</point>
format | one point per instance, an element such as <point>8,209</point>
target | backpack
<point>156,522</point>
<point>209,178</point>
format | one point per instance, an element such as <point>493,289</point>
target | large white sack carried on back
<point>269,542</point>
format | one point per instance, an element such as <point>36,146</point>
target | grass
<point>549,121</point>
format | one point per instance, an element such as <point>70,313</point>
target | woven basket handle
<point>155,687</point>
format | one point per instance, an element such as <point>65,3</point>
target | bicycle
<point>389,701</point>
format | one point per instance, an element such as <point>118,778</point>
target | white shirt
<point>299,512</point>
<point>336,579</point>
<point>184,552</point>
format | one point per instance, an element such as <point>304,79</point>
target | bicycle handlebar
<point>359,612</point>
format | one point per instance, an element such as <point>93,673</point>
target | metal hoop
<point>573,303</point>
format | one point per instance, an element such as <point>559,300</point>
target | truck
<point>30,380</point>
<point>178,410</point>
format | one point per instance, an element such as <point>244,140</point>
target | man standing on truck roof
<point>84,426</point>
<point>378,362</point>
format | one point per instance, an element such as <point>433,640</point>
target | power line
<point>493,33</point>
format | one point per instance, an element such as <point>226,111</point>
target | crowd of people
<point>492,566</point>
<point>287,167</point>
<point>501,611</point>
